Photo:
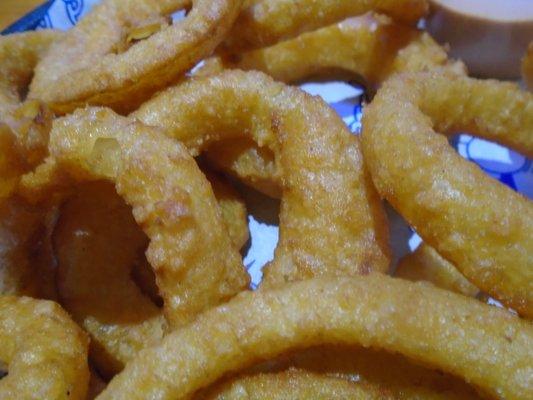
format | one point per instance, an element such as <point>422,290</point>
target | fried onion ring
<point>427,324</point>
<point>234,216</point>
<point>330,220</point>
<point>45,352</point>
<point>24,126</point>
<point>99,249</point>
<point>25,263</point>
<point>96,242</point>
<point>87,67</point>
<point>232,207</point>
<point>484,228</point>
<point>195,264</point>
<point>368,48</point>
<point>425,264</point>
<point>266,22</point>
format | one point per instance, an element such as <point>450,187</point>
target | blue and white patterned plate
<point>510,168</point>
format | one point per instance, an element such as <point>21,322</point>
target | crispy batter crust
<point>331,221</point>
<point>368,48</point>
<point>24,126</point>
<point>45,351</point>
<point>265,22</point>
<point>195,263</point>
<point>483,227</point>
<point>431,325</point>
<point>425,264</point>
<point>86,68</point>
<point>96,243</point>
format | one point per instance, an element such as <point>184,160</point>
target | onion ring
<point>96,242</point>
<point>195,264</point>
<point>430,325</point>
<point>370,47</point>
<point>234,216</point>
<point>265,22</point>
<point>425,264</point>
<point>45,351</point>
<point>330,220</point>
<point>293,384</point>
<point>252,165</point>
<point>24,126</point>
<point>466,216</point>
<point>232,207</point>
<point>85,67</point>
<point>99,249</point>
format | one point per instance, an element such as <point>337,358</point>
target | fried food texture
<point>97,242</point>
<point>100,254</point>
<point>425,264</point>
<point>125,50</point>
<point>232,207</point>
<point>374,311</point>
<point>244,160</point>
<point>368,48</point>
<point>294,384</point>
<point>331,221</point>
<point>196,265</point>
<point>24,125</point>
<point>484,228</point>
<point>265,22</point>
<point>44,350</point>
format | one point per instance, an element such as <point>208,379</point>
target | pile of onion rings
<point>359,42</point>
<point>123,169</point>
<point>313,163</point>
